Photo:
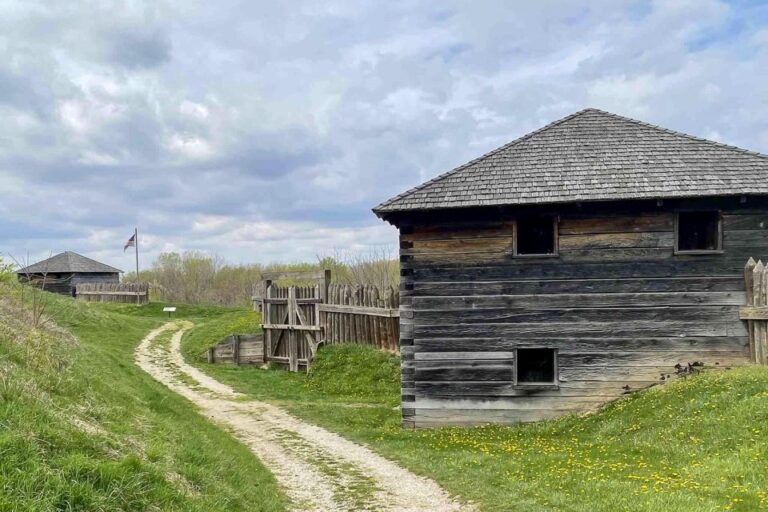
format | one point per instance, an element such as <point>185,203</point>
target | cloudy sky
<point>266,131</point>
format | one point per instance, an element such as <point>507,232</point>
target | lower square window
<point>536,366</point>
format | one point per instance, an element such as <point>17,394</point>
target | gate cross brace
<point>753,313</point>
<point>289,327</point>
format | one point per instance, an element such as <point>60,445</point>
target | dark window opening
<point>536,235</point>
<point>536,366</point>
<point>698,231</point>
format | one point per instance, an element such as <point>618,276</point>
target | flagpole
<point>136,246</point>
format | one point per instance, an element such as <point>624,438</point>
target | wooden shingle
<point>592,155</point>
<point>68,262</point>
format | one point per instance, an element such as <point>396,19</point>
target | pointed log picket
<point>297,319</point>
<point>361,314</point>
<point>756,310</point>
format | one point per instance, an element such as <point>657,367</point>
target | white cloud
<point>189,148</point>
<point>266,131</point>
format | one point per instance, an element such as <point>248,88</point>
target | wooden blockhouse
<point>577,263</point>
<point>63,272</point>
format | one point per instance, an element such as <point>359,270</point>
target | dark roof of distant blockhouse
<point>68,262</point>
<point>591,155</point>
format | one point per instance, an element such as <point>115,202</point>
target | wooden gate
<point>291,316</point>
<point>756,310</point>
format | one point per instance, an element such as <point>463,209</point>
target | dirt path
<point>318,469</point>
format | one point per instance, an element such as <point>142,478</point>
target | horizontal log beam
<point>287,327</point>
<point>112,293</point>
<point>286,360</point>
<point>753,313</point>
<point>359,310</point>
<point>285,301</point>
<point>580,300</point>
<point>298,275</point>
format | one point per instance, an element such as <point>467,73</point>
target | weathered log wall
<point>54,283</point>
<point>619,305</point>
<point>66,283</point>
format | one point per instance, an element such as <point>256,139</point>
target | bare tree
<point>32,291</point>
<point>377,265</point>
<point>195,277</point>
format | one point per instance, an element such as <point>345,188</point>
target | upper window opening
<point>698,231</point>
<point>536,366</point>
<point>536,235</point>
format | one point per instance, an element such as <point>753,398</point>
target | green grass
<point>373,380</point>
<point>213,329</point>
<point>341,373</point>
<point>695,444</point>
<point>183,311</point>
<point>698,444</point>
<point>213,323</point>
<point>356,373</point>
<point>83,428</point>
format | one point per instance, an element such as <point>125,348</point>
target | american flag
<point>130,243</point>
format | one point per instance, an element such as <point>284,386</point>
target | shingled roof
<point>68,262</point>
<point>592,155</point>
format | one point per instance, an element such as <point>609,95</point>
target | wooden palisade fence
<point>133,293</point>
<point>756,310</point>
<point>297,319</point>
<point>362,314</point>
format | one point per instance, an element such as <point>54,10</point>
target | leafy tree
<point>6,271</point>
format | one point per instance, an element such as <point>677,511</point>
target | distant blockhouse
<point>63,272</point>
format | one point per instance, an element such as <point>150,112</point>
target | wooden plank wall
<point>619,306</point>
<point>238,349</point>
<point>371,317</point>
<point>64,283</point>
<point>131,293</point>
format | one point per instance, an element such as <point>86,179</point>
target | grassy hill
<point>82,428</point>
<point>695,444</point>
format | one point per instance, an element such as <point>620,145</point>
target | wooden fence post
<point>376,320</point>
<point>266,318</point>
<point>761,347</point>
<point>356,318</point>
<point>211,357</point>
<point>749,286</point>
<point>293,349</point>
<point>333,325</point>
<point>321,318</point>
<point>758,300</point>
